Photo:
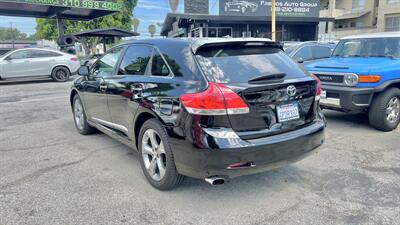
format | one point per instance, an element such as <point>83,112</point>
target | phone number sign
<point>85,4</point>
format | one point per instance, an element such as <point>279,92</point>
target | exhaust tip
<point>215,180</point>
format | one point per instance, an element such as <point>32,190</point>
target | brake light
<point>216,100</point>
<point>369,78</point>
<point>73,58</point>
<point>318,88</point>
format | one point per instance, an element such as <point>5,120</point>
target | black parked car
<point>211,109</point>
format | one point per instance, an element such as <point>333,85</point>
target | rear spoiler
<point>199,44</point>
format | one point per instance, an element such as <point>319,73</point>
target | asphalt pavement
<point>50,174</point>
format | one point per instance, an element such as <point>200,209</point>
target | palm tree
<point>135,23</point>
<point>174,5</point>
<point>152,29</point>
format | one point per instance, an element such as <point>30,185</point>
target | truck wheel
<point>384,113</point>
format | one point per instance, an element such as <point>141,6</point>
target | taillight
<point>318,87</point>
<point>216,100</point>
<point>73,58</point>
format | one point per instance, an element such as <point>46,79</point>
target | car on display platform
<point>38,62</point>
<point>205,108</point>
<point>363,75</point>
<point>309,50</point>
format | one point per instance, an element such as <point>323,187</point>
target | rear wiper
<point>274,77</point>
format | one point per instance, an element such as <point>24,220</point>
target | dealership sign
<point>284,8</point>
<point>86,4</point>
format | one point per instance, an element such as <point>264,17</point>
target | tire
<point>157,160</point>
<point>80,119</point>
<point>384,110</point>
<point>60,74</point>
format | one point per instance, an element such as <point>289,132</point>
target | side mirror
<point>83,71</point>
<point>300,60</point>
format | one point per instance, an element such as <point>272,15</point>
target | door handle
<point>137,88</point>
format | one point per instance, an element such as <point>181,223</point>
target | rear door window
<point>158,65</point>
<point>135,61</point>
<point>44,54</point>
<point>239,64</point>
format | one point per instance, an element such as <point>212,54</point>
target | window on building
<point>358,4</point>
<point>392,23</point>
<point>135,60</point>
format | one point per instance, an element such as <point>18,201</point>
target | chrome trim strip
<point>333,102</point>
<point>112,125</point>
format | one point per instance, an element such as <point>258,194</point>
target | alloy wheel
<point>153,153</point>
<point>393,110</point>
<point>61,74</point>
<point>78,114</point>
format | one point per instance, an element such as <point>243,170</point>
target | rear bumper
<point>346,98</point>
<point>263,153</point>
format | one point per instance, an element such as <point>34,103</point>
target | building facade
<point>295,21</point>
<point>358,16</point>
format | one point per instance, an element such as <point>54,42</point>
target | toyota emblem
<point>291,90</point>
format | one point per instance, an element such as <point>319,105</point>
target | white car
<point>35,62</point>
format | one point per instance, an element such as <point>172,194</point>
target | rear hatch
<point>280,95</point>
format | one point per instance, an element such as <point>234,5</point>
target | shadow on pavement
<point>29,81</point>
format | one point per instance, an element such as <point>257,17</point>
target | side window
<point>24,54</point>
<point>44,54</point>
<point>158,65</point>
<point>303,54</point>
<point>135,60</point>
<point>321,52</point>
<point>105,66</point>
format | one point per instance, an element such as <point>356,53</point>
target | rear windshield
<point>239,64</point>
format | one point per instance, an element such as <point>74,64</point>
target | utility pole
<point>273,20</point>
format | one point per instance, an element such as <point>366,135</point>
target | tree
<point>7,34</point>
<point>47,28</point>
<point>135,23</point>
<point>152,29</point>
<point>174,5</point>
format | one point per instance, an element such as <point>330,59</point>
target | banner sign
<point>284,8</point>
<point>85,4</point>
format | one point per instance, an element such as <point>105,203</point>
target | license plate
<point>287,112</point>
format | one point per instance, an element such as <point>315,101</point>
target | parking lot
<point>50,174</point>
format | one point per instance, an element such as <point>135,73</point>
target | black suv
<point>204,108</point>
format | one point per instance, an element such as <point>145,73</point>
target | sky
<point>147,11</point>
